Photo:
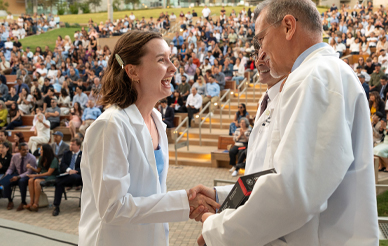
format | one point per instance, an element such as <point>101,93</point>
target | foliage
<point>4,5</point>
<point>74,8</point>
<point>62,8</point>
<point>84,7</point>
<point>116,5</point>
<point>48,4</point>
<point>95,3</point>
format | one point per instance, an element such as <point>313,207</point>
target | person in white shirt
<point>172,17</point>
<point>206,12</point>
<point>383,59</point>
<point>42,132</point>
<point>340,47</point>
<point>372,40</point>
<point>193,104</point>
<point>132,16</point>
<point>318,189</point>
<point>10,17</point>
<point>174,50</point>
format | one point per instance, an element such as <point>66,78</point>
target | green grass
<point>383,242</point>
<point>47,38</point>
<point>147,13</point>
<point>382,210</point>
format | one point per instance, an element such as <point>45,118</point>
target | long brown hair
<point>377,99</point>
<point>117,87</point>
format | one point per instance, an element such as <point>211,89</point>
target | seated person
<point>46,86</point>
<point>5,158</point>
<point>18,138</point>
<point>193,104</point>
<point>59,146</point>
<point>167,113</point>
<point>17,175</point>
<point>184,88</point>
<point>70,164</point>
<point>25,101</point>
<point>378,127</point>
<point>20,85</point>
<point>47,100</point>
<point>212,93</point>
<point>48,169</point>
<point>75,119</point>
<point>42,132</point>
<point>15,115</point>
<point>176,102</point>
<point>80,97</point>
<point>53,114</point>
<point>242,112</point>
<point>3,114</point>
<point>90,114</point>
<point>11,97</point>
<point>4,139</point>
<point>241,137</point>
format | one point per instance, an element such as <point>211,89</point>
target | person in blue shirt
<point>178,40</point>
<point>90,114</point>
<point>212,93</point>
<point>80,97</point>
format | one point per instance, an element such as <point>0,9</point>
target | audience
<point>17,175</point>
<point>53,114</point>
<point>48,169</point>
<point>241,137</point>
<point>4,139</point>
<point>18,138</point>
<point>42,132</point>
<point>212,93</point>
<point>59,146</point>
<point>167,113</point>
<point>15,115</point>
<point>193,104</point>
<point>5,158</point>
<point>70,164</point>
<point>90,114</point>
<point>3,114</point>
<point>241,113</point>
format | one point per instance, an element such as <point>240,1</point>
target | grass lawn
<point>47,38</point>
<point>147,13</point>
<point>382,210</point>
<point>383,242</point>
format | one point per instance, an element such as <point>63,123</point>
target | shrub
<point>85,8</point>
<point>73,8</point>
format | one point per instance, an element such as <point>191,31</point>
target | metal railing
<point>177,139</point>
<point>224,104</point>
<point>246,83</point>
<point>254,85</point>
<point>209,115</point>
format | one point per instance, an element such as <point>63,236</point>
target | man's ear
<point>289,24</point>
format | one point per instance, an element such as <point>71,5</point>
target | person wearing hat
<point>364,84</point>
<point>59,147</point>
<point>374,83</point>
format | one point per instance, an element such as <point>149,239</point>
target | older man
<point>324,190</point>
<point>193,104</point>
<point>90,114</point>
<point>42,132</point>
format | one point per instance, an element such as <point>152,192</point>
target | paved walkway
<point>181,234</point>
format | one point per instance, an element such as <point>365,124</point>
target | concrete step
<point>204,142</point>
<point>191,162</point>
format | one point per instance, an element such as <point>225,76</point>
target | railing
<point>224,104</point>
<point>177,139</point>
<point>245,90</point>
<point>254,85</point>
<point>209,115</point>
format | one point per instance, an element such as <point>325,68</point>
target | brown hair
<point>117,87</point>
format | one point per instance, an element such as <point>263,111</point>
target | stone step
<point>191,162</point>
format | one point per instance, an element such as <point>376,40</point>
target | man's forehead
<point>260,21</point>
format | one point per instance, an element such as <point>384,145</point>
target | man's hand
<point>201,240</point>
<point>28,166</point>
<point>71,172</point>
<point>13,179</point>
<point>197,212</point>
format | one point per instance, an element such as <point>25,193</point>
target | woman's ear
<point>131,72</point>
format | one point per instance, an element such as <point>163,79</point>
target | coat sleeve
<point>313,154</point>
<point>107,162</point>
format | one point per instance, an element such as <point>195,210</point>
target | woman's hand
<point>31,175</point>
<point>29,166</point>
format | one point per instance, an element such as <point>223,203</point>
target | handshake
<point>202,202</point>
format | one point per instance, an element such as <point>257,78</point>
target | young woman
<point>376,104</point>
<point>75,119</point>
<point>124,194</point>
<point>200,85</point>
<point>25,101</point>
<point>241,137</point>
<point>241,112</point>
<point>16,116</point>
<point>238,71</point>
<point>48,169</point>
<point>18,138</point>
<point>355,47</point>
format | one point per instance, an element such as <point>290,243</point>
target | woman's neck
<point>145,108</point>
<point>3,155</point>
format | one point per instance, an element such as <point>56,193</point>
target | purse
<point>43,201</point>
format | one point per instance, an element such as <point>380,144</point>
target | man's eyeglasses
<point>258,41</point>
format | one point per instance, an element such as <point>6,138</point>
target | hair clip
<point>121,63</point>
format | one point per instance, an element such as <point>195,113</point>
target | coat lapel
<point>143,135</point>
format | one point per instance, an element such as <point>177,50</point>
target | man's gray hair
<point>304,10</point>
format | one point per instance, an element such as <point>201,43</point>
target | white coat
<point>321,147</point>
<point>123,202</point>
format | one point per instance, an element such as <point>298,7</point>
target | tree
<point>4,5</point>
<point>48,4</point>
<point>95,3</point>
<point>116,5</point>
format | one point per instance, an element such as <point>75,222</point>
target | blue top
<point>213,89</point>
<point>91,114</point>
<point>306,53</point>
<point>159,161</point>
